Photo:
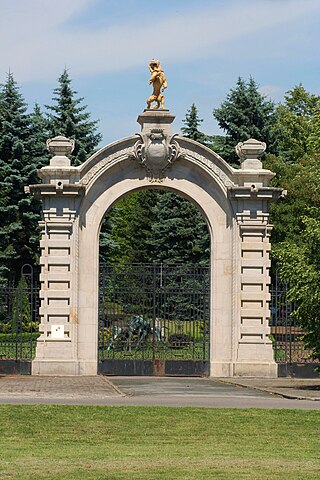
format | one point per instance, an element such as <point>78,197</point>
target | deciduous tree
<point>299,264</point>
<point>297,124</point>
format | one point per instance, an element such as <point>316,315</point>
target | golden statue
<point>159,83</point>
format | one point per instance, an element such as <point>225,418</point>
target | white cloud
<point>38,43</point>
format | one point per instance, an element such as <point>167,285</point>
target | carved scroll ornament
<point>156,152</point>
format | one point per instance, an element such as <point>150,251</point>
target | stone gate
<point>234,203</point>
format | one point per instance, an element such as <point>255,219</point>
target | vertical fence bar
<point>154,286</point>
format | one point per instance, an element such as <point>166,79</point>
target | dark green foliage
<point>298,261</point>
<point>296,236</point>
<point>21,307</point>
<point>126,233</point>
<point>26,337</point>
<point>22,151</point>
<point>192,122</point>
<point>297,125</point>
<point>39,134</point>
<point>244,114</point>
<point>69,118</point>
<point>218,143</point>
<point>296,239</point>
<point>301,181</point>
<point>180,234</point>
<point>151,225</point>
<point>297,169</point>
<point>18,213</point>
<point>314,136</point>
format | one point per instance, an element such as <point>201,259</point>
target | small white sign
<point>57,331</point>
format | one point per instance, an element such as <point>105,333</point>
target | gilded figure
<point>159,82</point>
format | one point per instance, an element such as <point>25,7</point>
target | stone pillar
<point>56,351</point>
<point>254,356</point>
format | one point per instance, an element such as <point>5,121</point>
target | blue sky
<point>203,46</point>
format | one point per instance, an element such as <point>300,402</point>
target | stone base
<point>63,367</point>
<point>248,369</point>
<point>55,367</point>
<point>88,367</point>
<point>267,370</point>
<point>221,369</point>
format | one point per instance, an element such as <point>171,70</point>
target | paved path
<point>153,391</point>
<point>299,388</point>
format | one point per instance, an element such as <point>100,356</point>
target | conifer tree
<point>191,129</point>
<point>70,118</point>
<point>39,134</point>
<point>245,114</point>
<point>126,234</point>
<point>180,234</point>
<point>17,218</point>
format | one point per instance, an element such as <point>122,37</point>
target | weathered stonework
<point>234,202</point>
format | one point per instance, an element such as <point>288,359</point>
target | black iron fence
<point>154,313</point>
<point>286,332</point>
<point>146,312</point>
<point>19,321</point>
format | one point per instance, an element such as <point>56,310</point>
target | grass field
<point>122,443</point>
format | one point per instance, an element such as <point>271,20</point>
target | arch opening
<point>154,286</point>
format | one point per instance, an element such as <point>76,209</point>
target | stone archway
<point>234,202</point>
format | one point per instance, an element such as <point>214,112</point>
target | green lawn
<point>59,443</point>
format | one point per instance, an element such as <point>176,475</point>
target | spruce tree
<point>126,233</point>
<point>191,129</point>
<point>39,134</point>
<point>18,218</point>
<point>245,114</point>
<point>70,118</point>
<point>179,233</point>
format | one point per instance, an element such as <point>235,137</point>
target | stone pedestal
<point>250,198</point>
<point>60,192</point>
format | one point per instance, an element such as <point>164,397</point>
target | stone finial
<point>61,147</point>
<point>250,153</point>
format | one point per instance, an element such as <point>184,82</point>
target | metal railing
<point>286,333</point>
<point>19,317</point>
<point>154,311</point>
<point>167,310</point>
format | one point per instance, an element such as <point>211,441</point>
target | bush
<point>13,337</point>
